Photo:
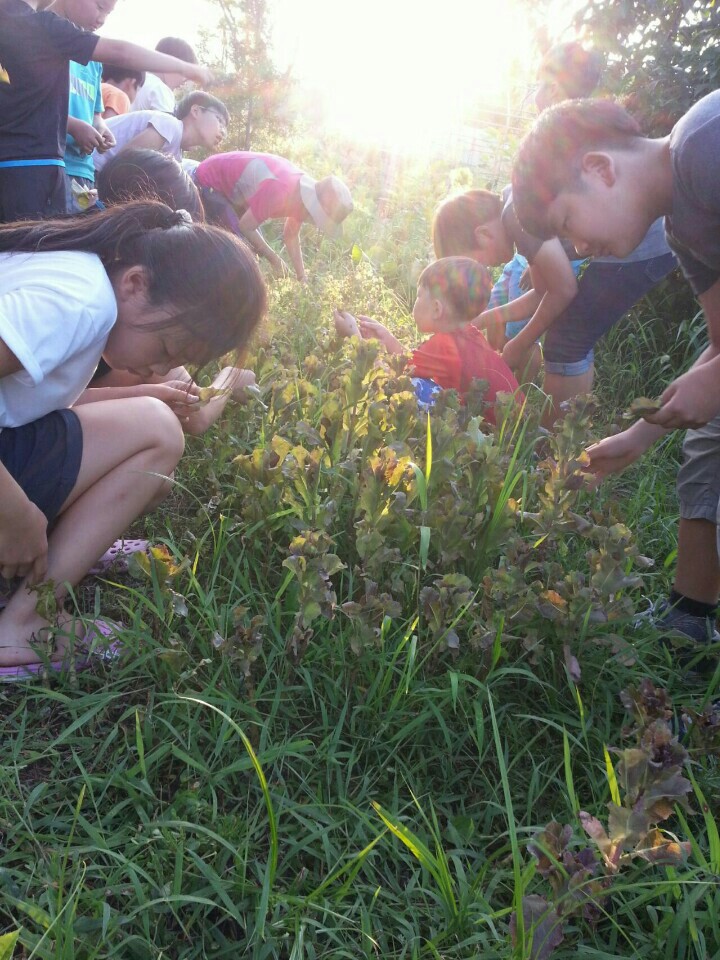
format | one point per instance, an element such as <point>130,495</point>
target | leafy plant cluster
<point>377,511</point>
<point>646,785</point>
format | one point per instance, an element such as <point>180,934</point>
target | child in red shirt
<point>451,292</point>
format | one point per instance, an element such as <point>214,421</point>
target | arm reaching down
<point>291,239</point>
<point>554,280</point>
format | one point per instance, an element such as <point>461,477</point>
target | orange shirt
<point>454,360</point>
<point>115,99</point>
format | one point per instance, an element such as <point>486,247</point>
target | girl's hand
<point>23,544</point>
<point>182,398</point>
<point>345,323</point>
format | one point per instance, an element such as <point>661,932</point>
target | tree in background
<point>256,93</point>
<point>664,55</point>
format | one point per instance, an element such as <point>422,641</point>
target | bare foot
<point>235,379</point>
<point>36,641</point>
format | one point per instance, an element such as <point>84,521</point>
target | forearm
<point>549,309</point>
<point>292,245</point>
<point>12,497</point>
<point>74,126</point>
<point>645,434</point>
<point>258,243</point>
<point>518,309</point>
<point>393,345</point>
<point>96,394</point>
<point>708,354</point>
<point>135,57</point>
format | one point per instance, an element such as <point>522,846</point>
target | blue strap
<point>31,163</point>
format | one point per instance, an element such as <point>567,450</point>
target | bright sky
<point>385,69</point>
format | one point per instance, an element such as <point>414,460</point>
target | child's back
<point>453,360</point>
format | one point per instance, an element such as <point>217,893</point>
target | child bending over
<point>451,293</point>
<point>147,289</point>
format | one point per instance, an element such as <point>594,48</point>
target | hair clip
<point>184,217</point>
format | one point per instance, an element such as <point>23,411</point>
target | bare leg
<point>530,365</point>
<point>560,388</point>
<point>697,574</point>
<point>129,448</point>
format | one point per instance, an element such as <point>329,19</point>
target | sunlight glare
<point>408,75</point>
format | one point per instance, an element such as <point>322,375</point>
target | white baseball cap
<point>337,197</point>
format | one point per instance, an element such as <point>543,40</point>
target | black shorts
<point>32,193</point>
<point>43,457</point>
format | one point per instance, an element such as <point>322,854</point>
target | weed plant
<point>376,675</point>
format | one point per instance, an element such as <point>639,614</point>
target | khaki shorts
<point>698,479</point>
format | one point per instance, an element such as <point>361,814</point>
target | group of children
<point>111,304</point>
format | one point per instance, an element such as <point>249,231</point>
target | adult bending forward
<point>242,190</point>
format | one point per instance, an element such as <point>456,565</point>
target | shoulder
<point>165,123</point>
<point>695,139</point>
<point>62,34</point>
<point>76,284</point>
<point>439,344</point>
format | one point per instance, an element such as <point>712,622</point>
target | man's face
<point>601,218</point>
<point>89,14</point>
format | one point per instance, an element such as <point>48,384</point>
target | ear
<point>438,309</point>
<point>601,165</point>
<point>131,283</point>
<point>482,235</point>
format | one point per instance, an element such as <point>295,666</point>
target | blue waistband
<point>31,163</point>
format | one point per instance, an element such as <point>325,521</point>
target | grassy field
<point>390,651</point>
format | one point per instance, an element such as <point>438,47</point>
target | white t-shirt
<point>56,311</point>
<point>128,125</point>
<point>154,95</point>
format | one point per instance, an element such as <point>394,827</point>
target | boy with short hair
<point>119,89</point>
<point>585,171</point>
<point>35,51</point>
<point>158,91</point>
<point>451,292</point>
<point>200,120</point>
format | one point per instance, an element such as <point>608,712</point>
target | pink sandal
<point>96,645</point>
<point>116,558</point>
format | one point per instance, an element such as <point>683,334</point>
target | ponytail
<point>109,233</point>
<point>207,278</point>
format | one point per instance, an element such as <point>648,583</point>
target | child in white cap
<point>241,190</point>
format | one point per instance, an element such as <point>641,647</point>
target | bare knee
<point>162,430</point>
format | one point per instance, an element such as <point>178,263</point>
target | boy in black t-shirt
<point>35,51</point>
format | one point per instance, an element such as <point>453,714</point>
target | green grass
<point>215,795</point>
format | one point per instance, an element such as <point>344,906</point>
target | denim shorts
<point>698,479</point>
<point>606,292</point>
<point>43,457</point>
